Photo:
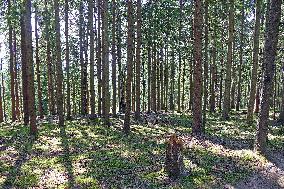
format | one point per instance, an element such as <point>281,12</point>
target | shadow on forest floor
<point>86,154</point>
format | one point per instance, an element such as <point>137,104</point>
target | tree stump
<point>174,165</point>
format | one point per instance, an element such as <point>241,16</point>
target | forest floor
<point>86,154</point>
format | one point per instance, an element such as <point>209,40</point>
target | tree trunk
<point>205,80</point>
<point>17,99</point>
<point>228,79</point>
<point>82,62</point>
<point>92,57</point>
<point>197,72</point>
<point>130,34</point>
<point>239,87</point>
<point>27,55</point>
<point>213,79</point>
<point>11,67</point>
<point>105,63</point>
<point>172,84</point>
<point>39,89</point>
<point>114,59</point>
<point>138,59</point>
<point>270,48</point>
<point>99,59</point>
<point>1,98</point>
<point>59,71</point>
<point>51,105</point>
<point>255,61</point>
<point>67,59</point>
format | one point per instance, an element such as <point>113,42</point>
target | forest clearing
<point>142,94</point>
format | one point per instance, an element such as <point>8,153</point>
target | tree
<point>228,79</point>
<point>11,67</point>
<point>83,64</point>
<point>197,78</point>
<point>105,63</point>
<point>130,34</point>
<point>27,61</point>
<point>240,58</point>
<point>270,49</point>
<point>138,59</point>
<point>67,59</point>
<point>39,89</point>
<point>114,58</point>
<point>59,71</point>
<point>255,61</point>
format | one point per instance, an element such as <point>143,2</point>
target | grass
<point>87,154</point>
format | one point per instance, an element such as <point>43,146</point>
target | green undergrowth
<point>86,154</point>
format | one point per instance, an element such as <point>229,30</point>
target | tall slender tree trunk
<point>270,49</point>
<point>82,61</point>
<point>149,75</point>
<point>28,59</point>
<point>99,58</point>
<point>239,87</point>
<point>197,83</point>
<point>105,63</point>
<point>51,105</point>
<point>59,71</point>
<point>205,79</point>
<point>213,78</point>
<point>92,57</point>
<point>130,35</point>
<point>11,66</point>
<point>39,89</point>
<point>228,79</point>
<point>1,98</point>
<point>154,80</point>
<point>172,82</point>
<point>17,98</point>
<point>67,59</point>
<point>138,59</point>
<point>255,61</point>
<point>114,58</point>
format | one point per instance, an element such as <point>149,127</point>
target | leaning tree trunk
<point>270,48</point>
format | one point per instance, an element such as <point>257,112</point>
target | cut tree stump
<point>174,165</point>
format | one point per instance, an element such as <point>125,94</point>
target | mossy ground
<point>87,154</point>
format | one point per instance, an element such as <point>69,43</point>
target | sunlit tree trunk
<point>270,48</point>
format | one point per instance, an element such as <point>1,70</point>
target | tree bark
<point>228,79</point>
<point>67,59</point>
<point>255,61</point>
<point>138,59</point>
<point>197,72</point>
<point>28,62</point>
<point>239,87</point>
<point>114,58</point>
<point>130,34</point>
<point>105,63</point>
<point>92,57</point>
<point>11,66</point>
<point>270,48</point>
<point>39,89</point>
<point>59,71</point>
